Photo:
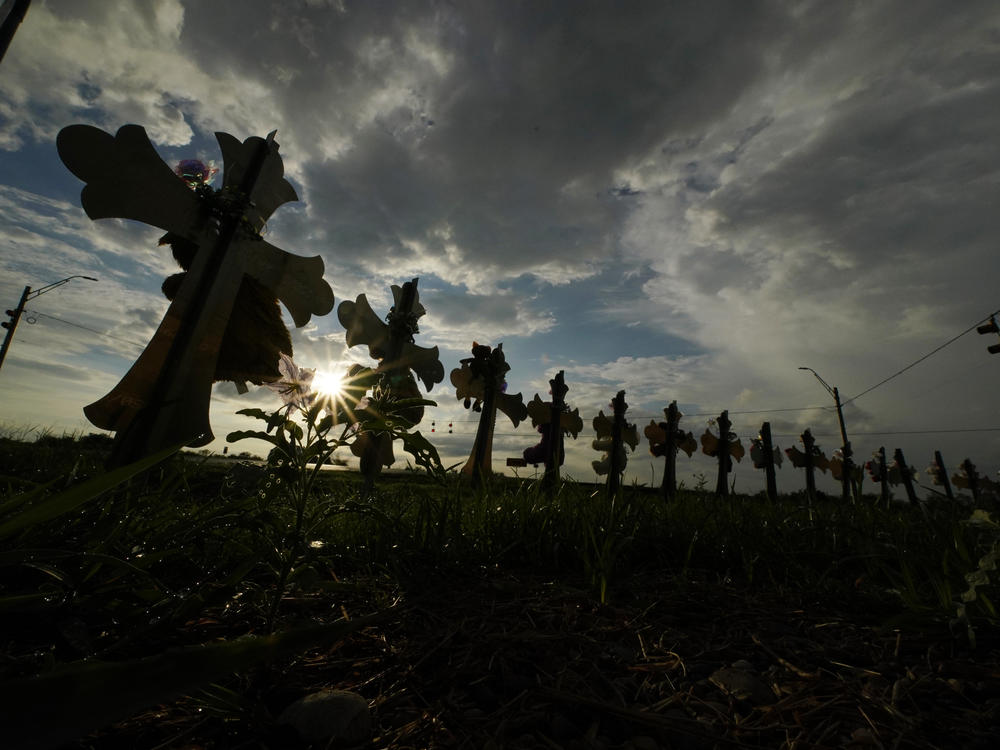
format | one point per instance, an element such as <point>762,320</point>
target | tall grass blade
<point>75,497</point>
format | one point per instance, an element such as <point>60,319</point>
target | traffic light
<point>990,327</point>
<point>13,315</point>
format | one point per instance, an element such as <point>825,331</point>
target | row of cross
<point>224,323</point>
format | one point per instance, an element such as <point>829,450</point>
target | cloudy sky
<point>684,200</point>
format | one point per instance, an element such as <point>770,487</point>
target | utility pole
<point>15,314</point>
<point>848,467</point>
<point>15,14</point>
<point>10,325</point>
<point>990,327</point>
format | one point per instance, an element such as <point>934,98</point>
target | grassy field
<point>188,603</point>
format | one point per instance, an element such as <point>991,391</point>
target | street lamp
<point>15,314</point>
<point>845,476</point>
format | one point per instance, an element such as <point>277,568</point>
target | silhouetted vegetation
<point>106,580</point>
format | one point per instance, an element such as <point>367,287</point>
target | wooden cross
<point>765,455</point>
<point>164,398</point>
<point>906,474</point>
<point>392,344</point>
<point>842,467</point>
<point>726,447</point>
<point>970,479</point>
<point>810,459</point>
<point>553,420</point>
<point>480,381</point>
<point>665,438</point>
<point>879,472</point>
<point>939,475</point>
<point>612,435</point>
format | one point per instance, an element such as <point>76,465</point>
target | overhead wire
<point>36,314</point>
<point>921,359</point>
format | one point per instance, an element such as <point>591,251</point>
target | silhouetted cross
<point>164,398</point>
<point>482,377</point>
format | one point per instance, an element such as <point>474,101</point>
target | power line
<point>751,411</point>
<point>918,361</point>
<point>700,414</point>
<point>899,432</point>
<point>35,313</point>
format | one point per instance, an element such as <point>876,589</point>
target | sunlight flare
<point>328,383</point>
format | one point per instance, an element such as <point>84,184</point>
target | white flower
<point>295,385</point>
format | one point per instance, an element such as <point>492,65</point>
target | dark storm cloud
<point>506,122</point>
<point>904,169</point>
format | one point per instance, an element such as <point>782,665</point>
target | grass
<point>98,570</point>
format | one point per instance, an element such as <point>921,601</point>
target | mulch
<point>500,661</point>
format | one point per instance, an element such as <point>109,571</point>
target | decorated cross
<point>968,478</point>
<point>665,438</point>
<point>391,343</point>
<point>879,472</point>
<point>725,448</point>
<point>840,465</point>
<point>480,381</point>
<point>553,420</point>
<point>223,322</point>
<point>810,459</point>
<point>613,433</point>
<point>905,474</point>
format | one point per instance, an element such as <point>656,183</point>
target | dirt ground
<point>494,661</point>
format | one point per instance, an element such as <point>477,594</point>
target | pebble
<point>330,715</point>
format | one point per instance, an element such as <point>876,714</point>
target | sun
<point>327,383</point>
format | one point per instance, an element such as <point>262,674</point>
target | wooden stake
<point>554,455</point>
<point>725,459</point>
<point>767,447</point>
<point>809,443</point>
<point>906,476</point>
<point>943,475</point>
<point>669,485</point>
<point>883,471</point>
<point>973,476</point>
<point>617,448</point>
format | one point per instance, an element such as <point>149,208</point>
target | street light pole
<point>845,477</point>
<point>15,314</point>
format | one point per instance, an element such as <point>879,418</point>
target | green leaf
<point>324,425</point>
<point>276,418</point>
<point>407,403</point>
<point>76,497</point>
<point>233,437</point>
<point>423,452</point>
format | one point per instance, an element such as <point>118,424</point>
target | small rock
<point>644,742</point>
<point>742,685</point>
<point>330,715</point>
